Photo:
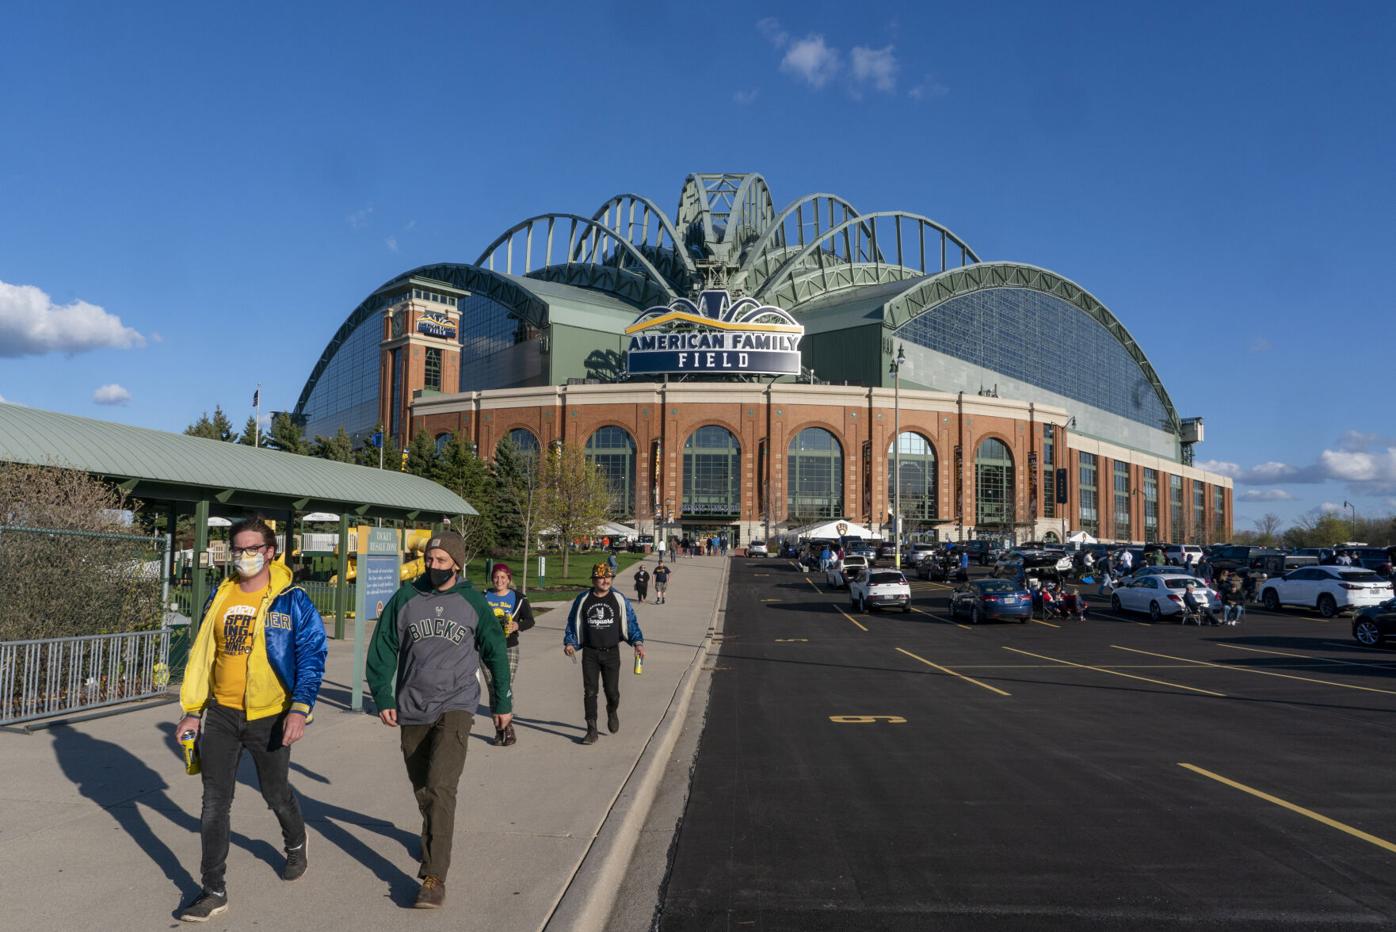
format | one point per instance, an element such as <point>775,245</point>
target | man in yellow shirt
<point>253,675</point>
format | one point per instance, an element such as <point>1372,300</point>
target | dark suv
<point>1234,557</point>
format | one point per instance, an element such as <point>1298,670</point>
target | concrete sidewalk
<point>99,823</point>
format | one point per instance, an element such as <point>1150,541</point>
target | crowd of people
<point>714,545</point>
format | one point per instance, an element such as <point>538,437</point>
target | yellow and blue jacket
<point>288,653</point>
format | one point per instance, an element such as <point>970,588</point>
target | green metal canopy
<point>156,465</point>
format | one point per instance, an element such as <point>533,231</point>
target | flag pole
<point>257,417</point>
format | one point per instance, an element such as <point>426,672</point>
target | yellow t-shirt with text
<point>232,644</point>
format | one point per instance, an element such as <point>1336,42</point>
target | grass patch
<point>558,587</point>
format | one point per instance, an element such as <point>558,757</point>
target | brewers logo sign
<point>714,335</point>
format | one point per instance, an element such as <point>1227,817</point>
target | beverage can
<point>191,752</point>
<point>639,665</point>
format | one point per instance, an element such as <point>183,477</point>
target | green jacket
<point>422,660</point>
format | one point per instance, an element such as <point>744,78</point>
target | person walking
<point>251,681</point>
<point>642,583</point>
<point>661,582</point>
<point>429,643</point>
<point>612,562</point>
<point>514,614</point>
<point>599,620</point>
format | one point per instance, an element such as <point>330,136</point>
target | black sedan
<point>986,599</point>
<point>1375,624</point>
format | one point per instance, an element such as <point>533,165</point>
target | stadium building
<point>746,369</point>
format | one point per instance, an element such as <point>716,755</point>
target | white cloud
<point>31,324</point>
<point>2,400</point>
<point>391,243</point>
<point>1351,466</point>
<point>1222,467</point>
<point>927,87</point>
<point>875,66</point>
<point>746,97</point>
<point>771,29</point>
<point>1330,507</point>
<point>358,219</point>
<point>1265,495</point>
<point>112,394</point>
<point>811,60</point>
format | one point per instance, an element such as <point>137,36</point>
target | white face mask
<point>249,564</point>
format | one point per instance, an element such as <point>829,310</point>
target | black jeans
<point>435,757</point>
<point>642,591</point>
<point>226,733</point>
<point>602,663</point>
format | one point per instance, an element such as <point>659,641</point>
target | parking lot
<point>890,771</point>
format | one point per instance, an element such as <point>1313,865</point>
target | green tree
<point>338,448</point>
<point>422,459</point>
<point>575,496</point>
<point>250,436</point>
<point>368,454</point>
<point>286,435</point>
<point>516,500</point>
<point>217,427</point>
<point>461,471</point>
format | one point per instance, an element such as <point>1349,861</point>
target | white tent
<point>616,529</point>
<point>840,527</point>
<point>1081,537</point>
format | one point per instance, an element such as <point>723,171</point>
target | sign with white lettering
<point>714,335</point>
<point>435,324</point>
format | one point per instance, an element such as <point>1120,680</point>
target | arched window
<point>918,478</point>
<point>993,485</point>
<point>613,451</point>
<point>525,441</point>
<point>814,476</point>
<point>441,441</point>
<point>712,461</point>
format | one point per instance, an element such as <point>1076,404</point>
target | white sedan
<point>879,589</point>
<point>840,571</point>
<point>1330,589</point>
<point>1160,595</point>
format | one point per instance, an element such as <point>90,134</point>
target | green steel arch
<point>619,214</point>
<point>498,288</point>
<point>925,295</point>
<point>850,256</point>
<point>769,252</point>
<point>718,210</point>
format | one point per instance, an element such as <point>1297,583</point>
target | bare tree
<point>1267,529</point>
<point>574,496</point>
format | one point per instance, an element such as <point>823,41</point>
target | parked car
<point>885,549</point>
<point>915,553</point>
<point>789,550</point>
<point>1330,589</point>
<point>841,571</point>
<point>1161,596</point>
<point>938,566</point>
<point>989,599</point>
<point>757,548</point>
<point>879,589</point>
<point>862,549</point>
<point>1182,554</point>
<point>981,551</point>
<point>1238,557</point>
<point>1375,623</point>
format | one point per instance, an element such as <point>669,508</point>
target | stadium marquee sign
<point>435,324</point>
<point>715,334</point>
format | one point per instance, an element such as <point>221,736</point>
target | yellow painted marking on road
<point>969,679</point>
<point>1047,623</point>
<point>867,719</point>
<point>1286,804</point>
<point>850,618</point>
<point>1131,676</point>
<point>1283,676</point>
<point>1281,653</point>
<point>760,574</point>
<point>938,618</point>
<point>812,583</point>
<point>772,600</point>
<point>792,640</point>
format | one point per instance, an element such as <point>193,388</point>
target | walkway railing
<point>46,677</point>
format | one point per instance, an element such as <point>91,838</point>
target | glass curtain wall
<point>712,460</point>
<point>814,476</point>
<point>993,485</point>
<point>1175,508</point>
<point>1049,471</point>
<point>1090,507</point>
<point>1122,525</point>
<point>613,451</point>
<point>920,502</point>
<point>1199,513</point>
<point>523,439</point>
<point>1150,505</point>
<point>1218,514</point>
<point>431,369</point>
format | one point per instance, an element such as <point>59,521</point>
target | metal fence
<point>46,677</point>
<point>322,594</point>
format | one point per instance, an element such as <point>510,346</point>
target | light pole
<point>1354,519</point>
<point>897,457</point>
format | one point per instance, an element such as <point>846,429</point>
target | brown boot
<point>432,894</point>
<point>510,739</point>
<point>498,737</point>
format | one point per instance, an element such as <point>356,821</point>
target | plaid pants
<point>513,674</point>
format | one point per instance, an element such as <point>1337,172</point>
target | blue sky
<point>193,196</point>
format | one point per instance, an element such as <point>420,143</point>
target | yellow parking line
<point>816,588</point>
<point>1281,653</point>
<point>850,618</point>
<point>1283,676</point>
<point>1047,623</point>
<point>938,618</point>
<point>992,689</point>
<point>1285,804</point>
<point>1084,666</point>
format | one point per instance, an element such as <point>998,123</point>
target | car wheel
<point>1271,600</point>
<point>1327,605</point>
<point>1366,632</point>
<point>974,617</point>
<point>1155,613</point>
<point>1115,604</point>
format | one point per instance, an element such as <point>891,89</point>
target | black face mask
<point>438,578</point>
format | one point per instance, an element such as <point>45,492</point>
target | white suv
<point>879,589</point>
<point>757,548</point>
<point>841,571</point>
<point>1330,589</point>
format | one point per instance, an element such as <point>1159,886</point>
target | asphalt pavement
<point>869,771</point>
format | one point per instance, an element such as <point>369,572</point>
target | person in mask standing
<point>427,647</point>
<point>596,624</point>
<point>514,614</point>
<point>252,678</point>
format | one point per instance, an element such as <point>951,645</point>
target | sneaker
<point>432,894</point>
<point>510,739</point>
<point>295,861</point>
<point>591,736</point>
<point>612,721</point>
<point>205,906</point>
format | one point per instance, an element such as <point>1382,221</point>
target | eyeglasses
<point>239,551</point>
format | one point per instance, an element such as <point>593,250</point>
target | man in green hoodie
<point>434,633</point>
